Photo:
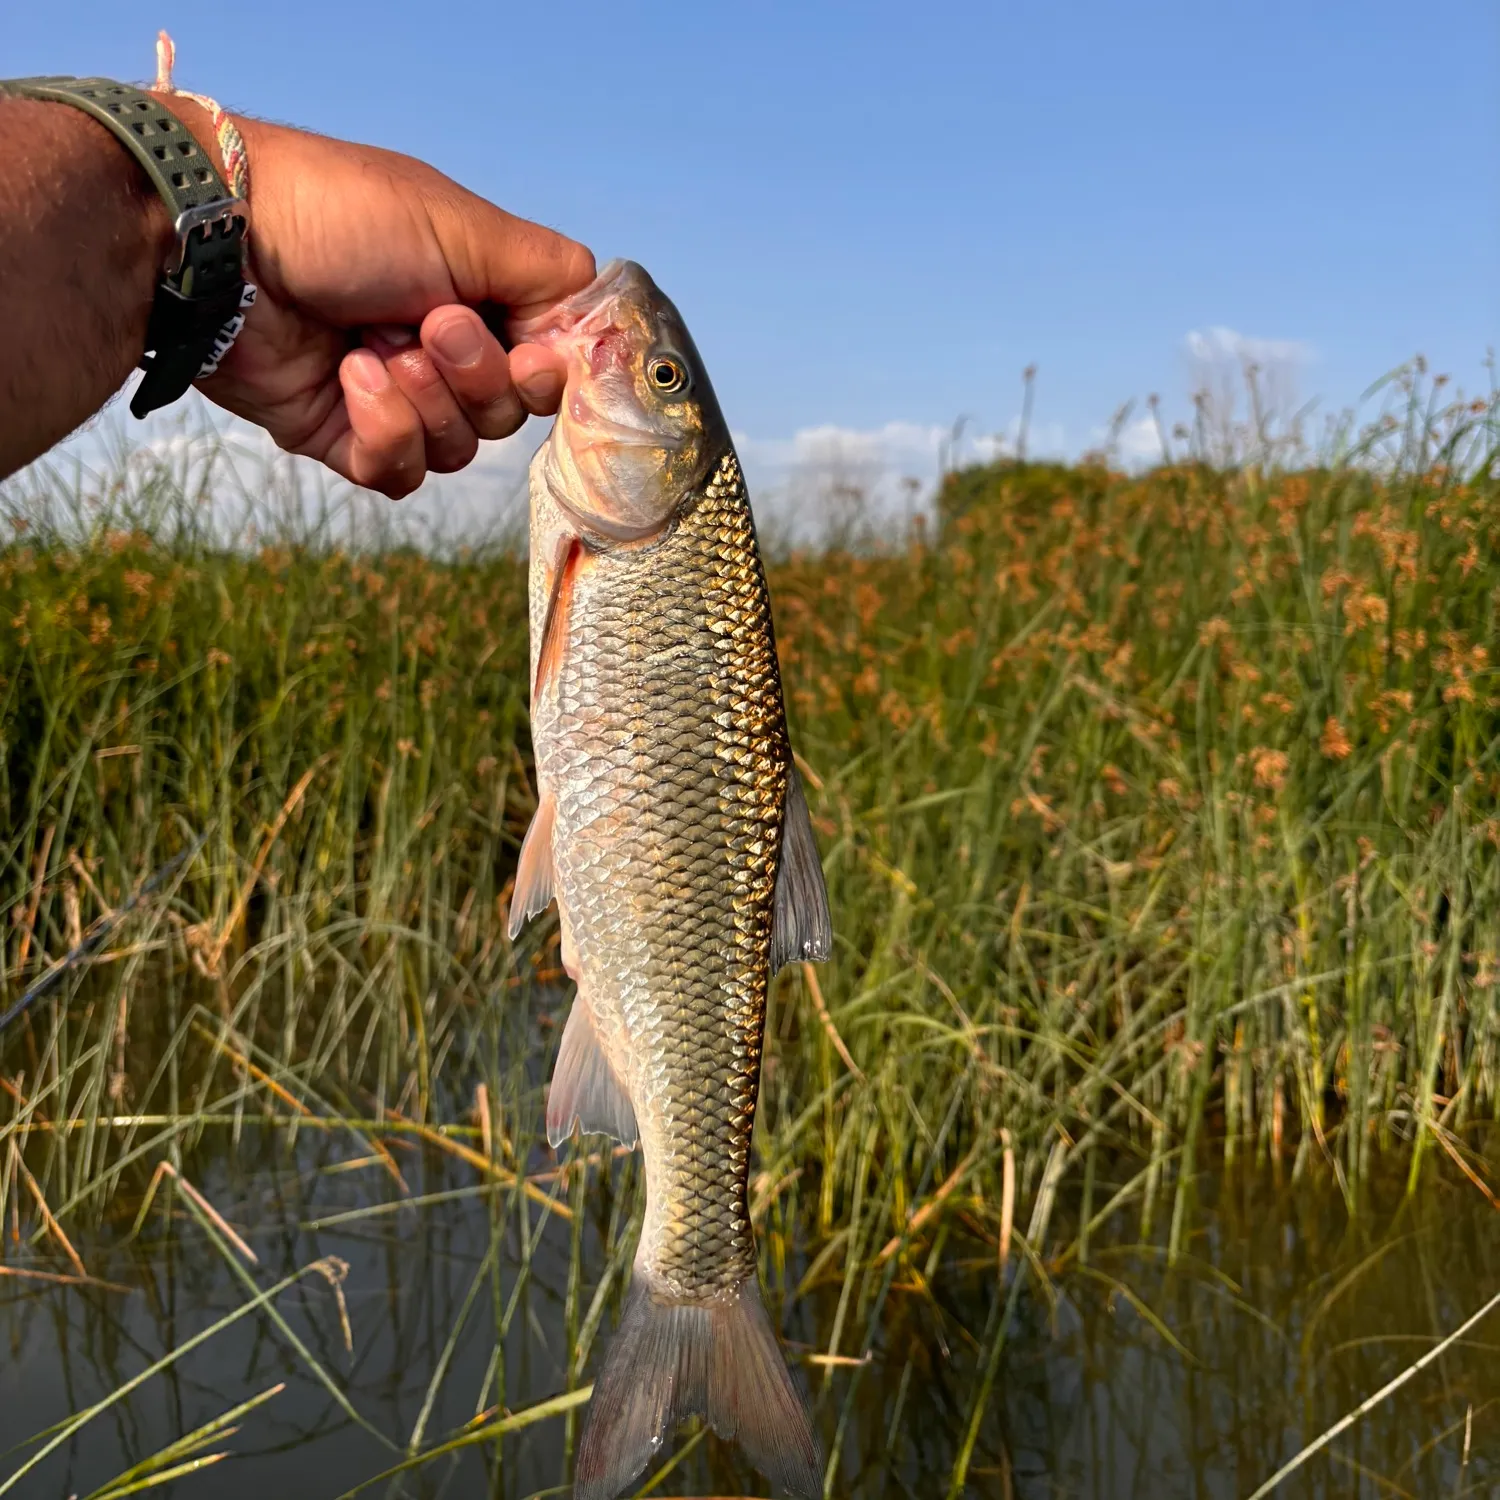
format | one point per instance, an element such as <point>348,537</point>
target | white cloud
<point>1043,440</point>
<point>803,485</point>
<point>1247,391</point>
<point>826,479</point>
<point>830,446</point>
<point>1134,445</point>
<point>1139,442</point>
<point>212,455</point>
<point>1218,345</point>
<point>817,481</point>
<point>830,479</point>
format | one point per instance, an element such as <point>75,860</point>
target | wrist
<point>180,142</point>
<point>98,172</point>
<point>199,122</point>
<point>86,235</point>
<point>83,237</point>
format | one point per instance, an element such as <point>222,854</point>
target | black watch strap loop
<point>203,295</point>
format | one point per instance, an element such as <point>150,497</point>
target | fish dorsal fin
<point>801,927</point>
<point>549,649</point>
<point>534,872</point>
<point>586,1090</point>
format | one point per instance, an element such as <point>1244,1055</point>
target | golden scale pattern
<point>670,705</point>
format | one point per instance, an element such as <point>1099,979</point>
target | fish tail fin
<point>720,1360</point>
<point>753,1397</point>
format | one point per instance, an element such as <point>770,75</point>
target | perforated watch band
<point>177,165</point>
<point>203,290</point>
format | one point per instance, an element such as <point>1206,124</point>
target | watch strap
<point>179,168</point>
<point>200,299</point>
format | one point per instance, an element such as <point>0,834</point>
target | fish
<point>673,833</point>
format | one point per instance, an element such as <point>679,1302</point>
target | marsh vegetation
<point>1160,1050</point>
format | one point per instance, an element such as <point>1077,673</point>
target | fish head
<point>638,429</point>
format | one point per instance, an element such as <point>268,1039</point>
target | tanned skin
<point>365,349</point>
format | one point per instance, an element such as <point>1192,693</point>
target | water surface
<point>1120,1378</point>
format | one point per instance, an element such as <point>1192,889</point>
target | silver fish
<point>672,829</point>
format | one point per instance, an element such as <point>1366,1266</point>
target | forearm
<point>367,348</point>
<point>82,240</point>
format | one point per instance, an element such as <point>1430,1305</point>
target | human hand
<point>364,348</point>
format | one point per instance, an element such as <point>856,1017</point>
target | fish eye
<point>666,375</point>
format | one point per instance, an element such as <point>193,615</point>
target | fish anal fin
<point>549,652</point>
<point>800,927</point>
<point>672,1359</point>
<point>533,888</point>
<point>586,1090</point>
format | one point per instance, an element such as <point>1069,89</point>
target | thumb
<point>498,258</point>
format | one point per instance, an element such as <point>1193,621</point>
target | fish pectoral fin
<point>800,927</point>
<point>549,651</point>
<point>586,1090</point>
<point>534,872</point>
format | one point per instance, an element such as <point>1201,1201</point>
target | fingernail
<point>396,335</point>
<point>457,341</point>
<point>367,370</point>
<point>542,386</point>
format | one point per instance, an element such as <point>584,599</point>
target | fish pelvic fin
<point>586,1091</point>
<point>800,927</point>
<point>717,1359</point>
<point>533,888</point>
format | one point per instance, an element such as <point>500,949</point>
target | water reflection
<point>1288,1315</point>
<point>1119,1378</point>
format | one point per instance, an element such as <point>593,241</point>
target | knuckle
<point>453,454</point>
<point>402,484</point>
<point>498,418</point>
<point>393,474</point>
<point>416,374</point>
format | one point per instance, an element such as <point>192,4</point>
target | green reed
<point>1158,815</point>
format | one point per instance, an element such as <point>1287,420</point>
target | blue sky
<point>880,213</point>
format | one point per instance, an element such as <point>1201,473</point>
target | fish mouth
<point>571,317</point>
<point>591,330</point>
<point>604,437</point>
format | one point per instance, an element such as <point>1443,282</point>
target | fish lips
<point>618,279</point>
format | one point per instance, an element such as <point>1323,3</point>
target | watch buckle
<point>205,216</point>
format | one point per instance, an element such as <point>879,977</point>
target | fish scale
<point>666,740</point>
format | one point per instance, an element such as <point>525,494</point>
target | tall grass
<point>1158,815</point>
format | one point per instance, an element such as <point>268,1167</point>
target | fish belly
<point>663,743</point>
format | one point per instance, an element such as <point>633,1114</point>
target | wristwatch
<point>203,295</point>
